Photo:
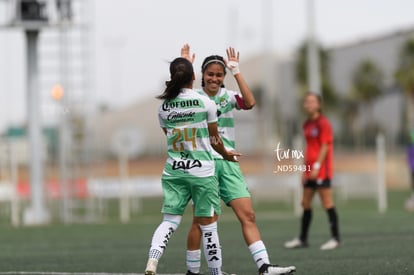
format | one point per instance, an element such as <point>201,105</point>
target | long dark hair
<point>181,75</point>
<point>212,59</point>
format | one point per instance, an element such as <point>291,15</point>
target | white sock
<point>212,248</point>
<point>162,235</point>
<point>193,259</point>
<point>259,253</point>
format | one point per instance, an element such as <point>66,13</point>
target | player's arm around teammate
<point>189,122</point>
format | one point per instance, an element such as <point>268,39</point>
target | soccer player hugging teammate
<point>189,121</point>
<point>318,156</point>
<point>232,185</point>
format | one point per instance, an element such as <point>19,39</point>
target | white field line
<point>68,273</point>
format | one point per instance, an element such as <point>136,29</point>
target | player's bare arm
<point>233,64</point>
<point>321,157</point>
<point>218,145</point>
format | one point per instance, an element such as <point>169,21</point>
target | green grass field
<point>373,243</point>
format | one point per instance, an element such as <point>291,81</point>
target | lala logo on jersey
<point>185,163</point>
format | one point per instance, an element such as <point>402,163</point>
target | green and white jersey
<point>225,101</point>
<point>186,120</point>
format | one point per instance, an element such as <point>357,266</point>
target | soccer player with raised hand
<point>232,185</point>
<point>189,121</point>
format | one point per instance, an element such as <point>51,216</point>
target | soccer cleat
<point>295,243</point>
<point>151,268</point>
<point>268,269</point>
<point>329,245</point>
<point>226,273</point>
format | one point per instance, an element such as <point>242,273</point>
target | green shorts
<point>179,190</point>
<point>232,184</point>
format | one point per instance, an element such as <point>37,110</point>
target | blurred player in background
<point>232,185</point>
<point>319,157</point>
<point>189,122</point>
<point>409,203</point>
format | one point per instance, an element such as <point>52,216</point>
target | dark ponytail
<point>181,74</point>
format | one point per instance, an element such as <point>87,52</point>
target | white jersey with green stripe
<point>186,119</point>
<point>226,102</point>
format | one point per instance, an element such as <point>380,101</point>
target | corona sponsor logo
<point>167,106</point>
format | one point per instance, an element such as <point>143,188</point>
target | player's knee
<point>306,204</point>
<point>249,217</point>
<point>173,220</point>
<point>195,221</point>
<point>327,202</point>
<point>327,205</point>
<point>195,225</point>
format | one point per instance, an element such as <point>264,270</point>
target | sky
<point>132,41</point>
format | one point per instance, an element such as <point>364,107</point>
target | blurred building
<point>388,108</point>
<point>384,51</point>
<point>15,141</point>
<point>140,117</point>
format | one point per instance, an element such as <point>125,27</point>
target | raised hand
<point>185,53</point>
<point>233,60</point>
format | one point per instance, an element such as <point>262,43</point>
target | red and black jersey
<point>318,132</point>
